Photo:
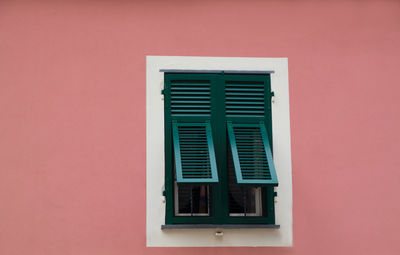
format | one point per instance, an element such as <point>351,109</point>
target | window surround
<point>155,202</point>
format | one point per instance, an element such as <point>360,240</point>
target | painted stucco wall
<point>72,117</point>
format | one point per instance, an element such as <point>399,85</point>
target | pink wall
<point>72,117</point>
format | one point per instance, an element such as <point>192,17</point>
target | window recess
<point>219,168</point>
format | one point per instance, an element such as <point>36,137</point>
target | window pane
<point>192,200</point>
<point>243,200</point>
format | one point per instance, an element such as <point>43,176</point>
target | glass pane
<point>243,200</point>
<point>192,200</point>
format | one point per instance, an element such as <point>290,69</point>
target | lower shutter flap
<point>194,153</point>
<point>251,153</point>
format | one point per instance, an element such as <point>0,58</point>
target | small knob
<point>219,234</point>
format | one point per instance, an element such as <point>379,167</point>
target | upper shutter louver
<point>251,153</point>
<point>190,98</point>
<point>194,153</point>
<point>244,98</point>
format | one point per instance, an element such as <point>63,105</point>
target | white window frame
<point>155,161</point>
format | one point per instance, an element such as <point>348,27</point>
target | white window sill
<point>218,226</point>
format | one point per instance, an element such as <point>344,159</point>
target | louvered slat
<point>194,153</point>
<point>190,98</point>
<point>244,98</point>
<point>251,153</point>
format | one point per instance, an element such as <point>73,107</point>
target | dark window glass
<point>192,200</point>
<point>243,200</point>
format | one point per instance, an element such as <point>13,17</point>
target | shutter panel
<point>194,153</point>
<point>245,98</point>
<point>251,153</point>
<point>190,98</point>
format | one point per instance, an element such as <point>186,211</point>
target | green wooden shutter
<point>190,98</point>
<point>251,153</point>
<point>244,98</point>
<point>194,153</point>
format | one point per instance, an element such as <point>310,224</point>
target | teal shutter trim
<point>194,153</point>
<point>251,154</point>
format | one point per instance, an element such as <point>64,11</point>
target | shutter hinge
<point>162,94</point>
<point>164,193</point>
<point>272,97</point>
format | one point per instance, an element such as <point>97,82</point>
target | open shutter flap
<point>251,153</point>
<point>194,153</point>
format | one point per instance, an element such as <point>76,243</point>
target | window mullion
<point>219,127</point>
